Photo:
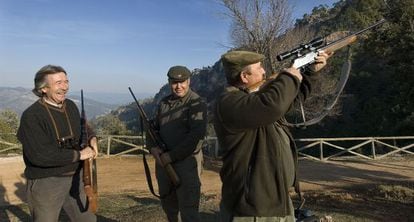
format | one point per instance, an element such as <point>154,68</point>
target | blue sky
<point>108,45</point>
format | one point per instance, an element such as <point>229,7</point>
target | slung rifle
<point>158,141</point>
<point>89,167</point>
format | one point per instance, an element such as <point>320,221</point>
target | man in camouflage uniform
<point>259,155</point>
<point>181,121</point>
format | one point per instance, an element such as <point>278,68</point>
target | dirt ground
<point>338,188</point>
<point>127,173</point>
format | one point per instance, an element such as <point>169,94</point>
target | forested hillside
<point>378,98</point>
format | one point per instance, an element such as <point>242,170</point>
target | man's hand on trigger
<point>320,61</point>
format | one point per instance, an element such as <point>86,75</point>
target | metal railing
<point>111,145</point>
<point>6,145</point>
<point>364,147</point>
<point>321,149</point>
<point>115,145</point>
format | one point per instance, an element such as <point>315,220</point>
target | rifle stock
<point>347,40</point>
<point>156,138</point>
<point>90,191</point>
<point>340,44</point>
<point>89,176</point>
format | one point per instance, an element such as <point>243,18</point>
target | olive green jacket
<point>182,124</point>
<point>259,156</point>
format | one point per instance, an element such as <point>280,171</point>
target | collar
<point>231,88</point>
<point>53,103</point>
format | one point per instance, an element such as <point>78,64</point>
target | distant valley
<point>112,98</point>
<point>18,99</point>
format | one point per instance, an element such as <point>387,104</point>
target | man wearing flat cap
<point>259,154</point>
<point>181,122</point>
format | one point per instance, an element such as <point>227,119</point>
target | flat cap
<point>235,61</point>
<point>178,73</point>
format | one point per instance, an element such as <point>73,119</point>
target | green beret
<point>178,73</point>
<point>235,61</point>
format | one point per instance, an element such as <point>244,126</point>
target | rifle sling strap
<point>54,122</point>
<point>148,176</point>
<point>345,72</point>
<point>346,69</point>
<point>149,179</point>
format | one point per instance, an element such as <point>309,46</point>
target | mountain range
<point>112,98</point>
<point>18,99</point>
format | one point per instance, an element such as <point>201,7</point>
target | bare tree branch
<point>266,27</point>
<point>257,24</point>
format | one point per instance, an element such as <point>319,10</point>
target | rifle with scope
<point>305,54</point>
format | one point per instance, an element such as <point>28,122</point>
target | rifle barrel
<point>342,42</point>
<point>320,43</point>
<point>154,136</point>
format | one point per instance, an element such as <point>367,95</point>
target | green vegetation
<point>9,122</point>
<point>378,99</point>
<point>110,125</point>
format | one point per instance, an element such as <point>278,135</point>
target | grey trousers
<point>47,196</point>
<point>184,199</point>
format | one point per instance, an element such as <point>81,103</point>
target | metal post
<point>321,150</point>
<point>108,146</point>
<point>373,149</point>
<point>216,148</point>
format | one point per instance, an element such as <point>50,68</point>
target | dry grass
<point>126,206</point>
<point>379,203</point>
<point>384,203</point>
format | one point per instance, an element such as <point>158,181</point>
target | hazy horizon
<point>110,98</point>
